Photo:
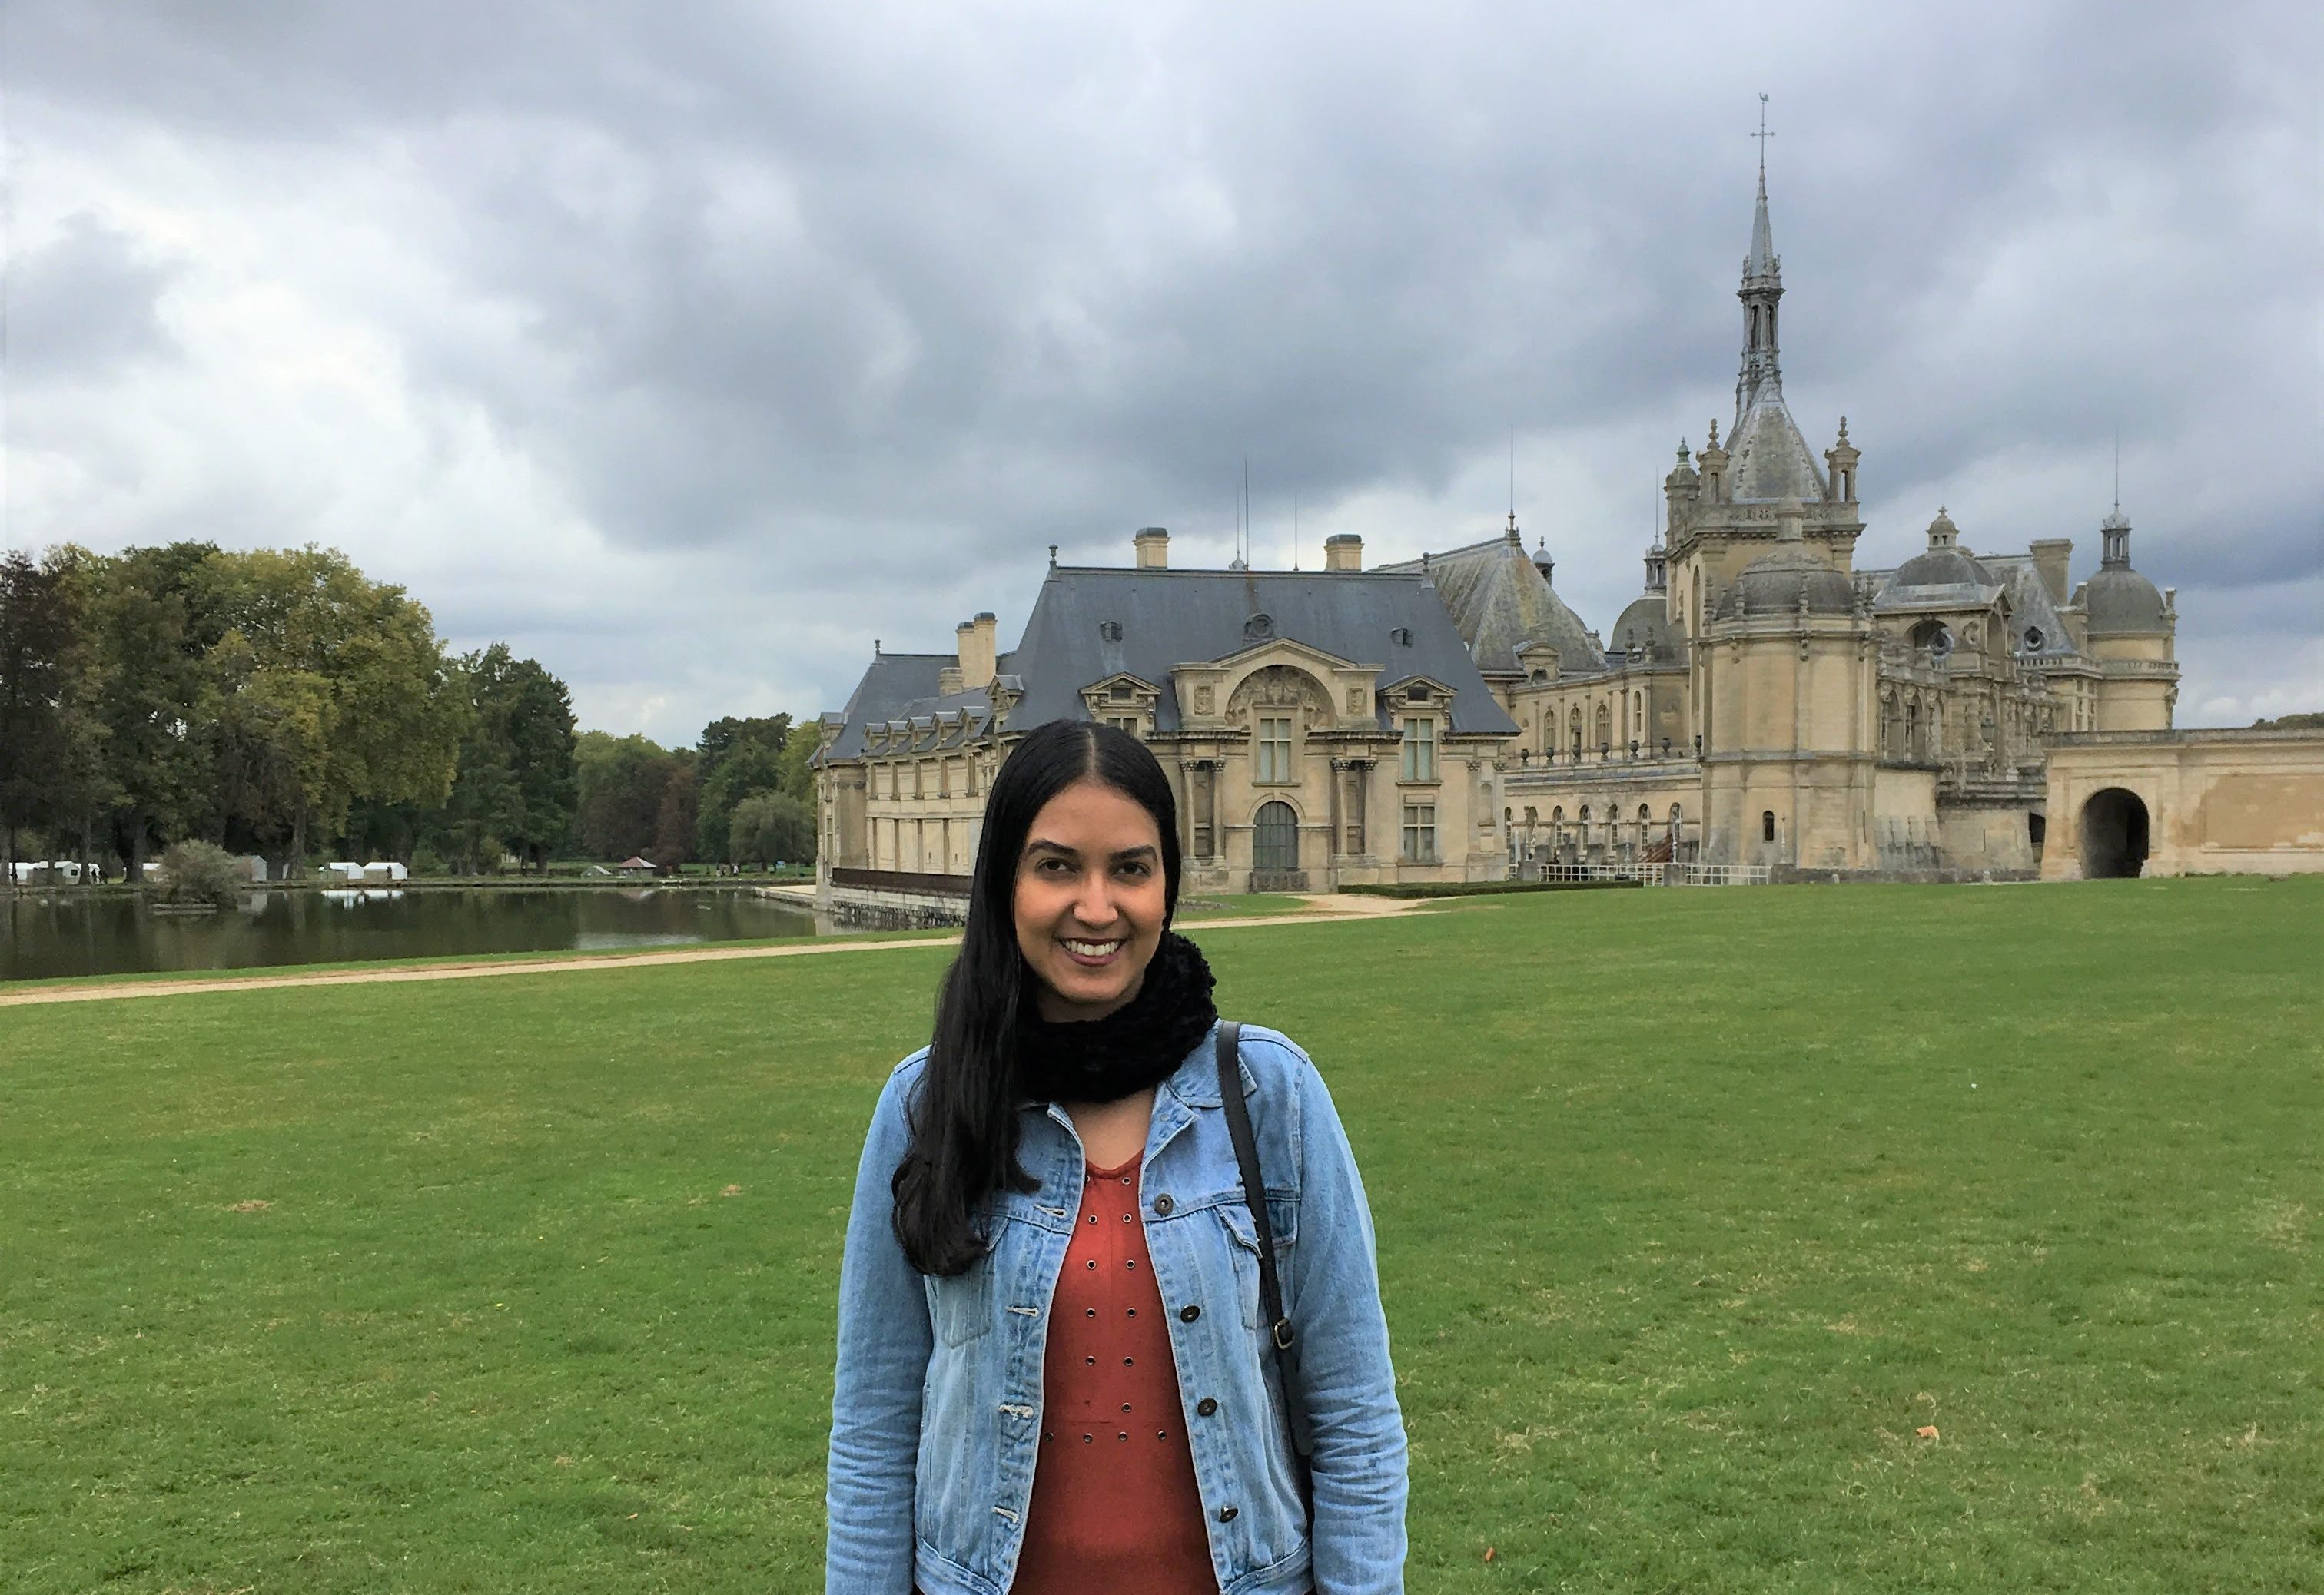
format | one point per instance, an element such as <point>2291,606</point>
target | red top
<point>1114,1504</point>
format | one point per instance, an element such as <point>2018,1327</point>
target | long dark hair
<point>964,1143</point>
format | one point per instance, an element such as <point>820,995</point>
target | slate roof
<point>1166,618</point>
<point>1500,601</point>
<point>1090,623</point>
<point>2014,576</point>
<point>1772,460</point>
<point>900,689</point>
<point>2030,609</point>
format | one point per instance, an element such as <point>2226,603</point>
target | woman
<point>1051,1374</point>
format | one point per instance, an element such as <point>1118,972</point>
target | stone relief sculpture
<point>1280,687</point>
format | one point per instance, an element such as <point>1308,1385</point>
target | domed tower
<point>1724,500</point>
<point>1788,731</point>
<point>2131,629</point>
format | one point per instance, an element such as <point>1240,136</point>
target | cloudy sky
<point>688,349</point>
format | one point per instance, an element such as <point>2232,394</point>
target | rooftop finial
<point>1763,136</point>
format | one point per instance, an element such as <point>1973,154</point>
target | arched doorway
<point>1275,838</point>
<point>2113,836</point>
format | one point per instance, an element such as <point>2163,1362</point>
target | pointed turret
<point>1763,288</point>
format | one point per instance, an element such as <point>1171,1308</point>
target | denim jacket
<point>936,1415</point>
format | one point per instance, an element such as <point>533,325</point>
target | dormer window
<point>1111,631</point>
<point>1258,628</point>
<point>1400,635</point>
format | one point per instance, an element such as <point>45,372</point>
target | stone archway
<point>2113,836</point>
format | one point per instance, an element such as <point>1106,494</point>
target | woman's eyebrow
<point>1038,845</point>
<point>1144,850</point>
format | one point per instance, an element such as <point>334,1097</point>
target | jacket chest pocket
<point>960,1308</point>
<point>1242,1252</point>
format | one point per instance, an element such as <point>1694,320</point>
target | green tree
<point>541,750</point>
<point>152,617</point>
<point>674,820</point>
<point>798,764</point>
<point>36,632</point>
<point>513,788</point>
<point>351,680</point>
<point>622,782</point>
<point>748,759</point>
<point>771,827</point>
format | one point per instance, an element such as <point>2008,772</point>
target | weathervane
<point>1763,136</point>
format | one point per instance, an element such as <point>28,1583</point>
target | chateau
<point>1763,702</point>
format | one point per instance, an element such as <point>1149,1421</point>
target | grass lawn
<point>1693,1206</point>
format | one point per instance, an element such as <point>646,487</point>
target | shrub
<point>202,873</point>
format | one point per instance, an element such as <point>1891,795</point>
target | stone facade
<point>1320,730</point>
<point>1767,701</point>
<point>2185,803</point>
<point>1764,701</point>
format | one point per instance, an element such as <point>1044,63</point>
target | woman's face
<point>1089,901</point>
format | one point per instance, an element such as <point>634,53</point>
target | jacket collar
<point>1194,1083</point>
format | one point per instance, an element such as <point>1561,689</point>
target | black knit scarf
<point>1138,1045</point>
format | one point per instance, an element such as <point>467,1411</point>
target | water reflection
<point>50,934</point>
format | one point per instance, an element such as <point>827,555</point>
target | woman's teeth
<point>1091,949</point>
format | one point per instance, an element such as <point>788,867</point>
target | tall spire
<point>1763,286</point>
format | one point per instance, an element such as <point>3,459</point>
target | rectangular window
<point>1274,749</point>
<point>1420,749</point>
<point>1127,722</point>
<point>1420,833</point>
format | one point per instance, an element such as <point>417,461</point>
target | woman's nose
<point>1094,905</point>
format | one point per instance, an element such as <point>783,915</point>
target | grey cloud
<point>871,304</point>
<point>86,307</point>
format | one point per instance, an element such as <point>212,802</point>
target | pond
<point>51,935</point>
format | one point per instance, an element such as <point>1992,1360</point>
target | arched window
<point>1605,726</point>
<point>1767,826</point>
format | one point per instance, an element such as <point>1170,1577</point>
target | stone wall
<point>2185,803</point>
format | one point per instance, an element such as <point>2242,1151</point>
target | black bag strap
<point>1281,1334</point>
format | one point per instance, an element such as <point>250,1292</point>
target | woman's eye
<point>1135,871</point>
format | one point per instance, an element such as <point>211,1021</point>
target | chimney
<point>947,680</point>
<point>1153,545</point>
<point>2051,556</point>
<point>1343,551</point>
<point>977,655</point>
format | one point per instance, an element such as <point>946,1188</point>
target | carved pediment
<point>1280,687</point>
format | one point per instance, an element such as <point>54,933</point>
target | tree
<point>541,750</point>
<point>621,782</point>
<point>36,630</point>
<point>351,676</point>
<point>486,807</point>
<point>513,790</point>
<point>736,758</point>
<point>771,827</point>
<point>153,617</point>
<point>674,836</point>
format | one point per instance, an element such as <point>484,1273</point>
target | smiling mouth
<point>1089,953</point>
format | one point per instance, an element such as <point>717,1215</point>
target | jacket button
<point>1226,1514</point>
<point>1205,1407</point>
<point>1163,1205</point>
<point>1189,1313</point>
